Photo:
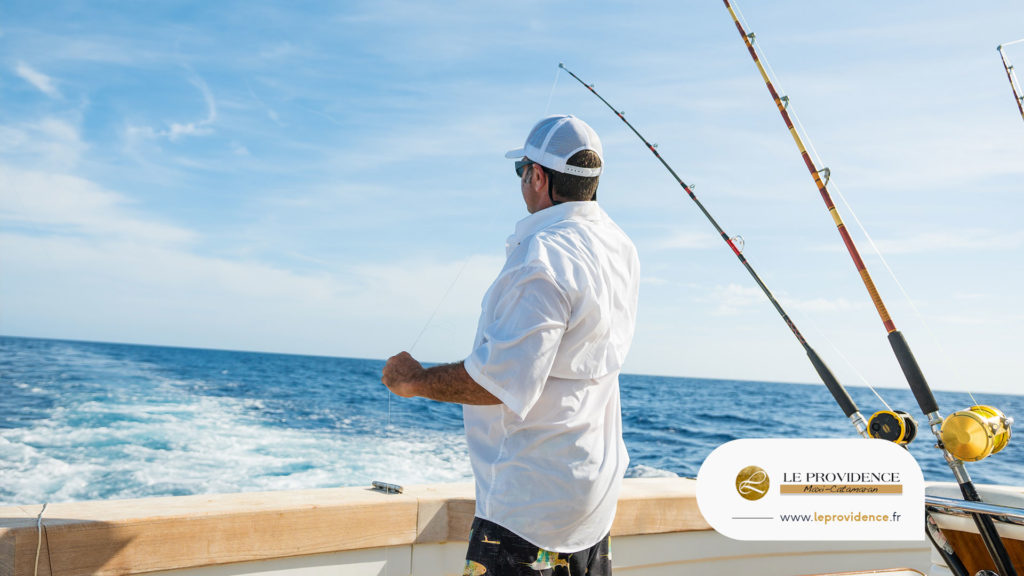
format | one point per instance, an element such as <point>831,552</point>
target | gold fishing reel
<point>976,433</point>
<point>893,425</point>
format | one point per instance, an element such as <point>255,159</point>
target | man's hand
<point>402,373</point>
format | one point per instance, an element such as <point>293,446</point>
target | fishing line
<point>849,364</point>
<point>438,307</point>
<point>395,488</point>
<point>427,324</point>
<point>896,426</point>
<point>820,162</point>
<point>388,487</point>
<point>917,312</point>
<point>391,488</point>
<point>39,538</point>
<point>871,241</point>
<point>991,425</point>
<point>552,93</point>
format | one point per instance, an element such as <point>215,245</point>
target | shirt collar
<point>584,210</point>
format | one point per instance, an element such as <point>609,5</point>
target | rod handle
<point>838,392</point>
<point>989,534</point>
<point>915,378</point>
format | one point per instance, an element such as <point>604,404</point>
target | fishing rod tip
<point>560,65</point>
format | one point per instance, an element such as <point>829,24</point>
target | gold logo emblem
<point>752,483</point>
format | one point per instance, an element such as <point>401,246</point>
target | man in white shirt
<point>540,389</point>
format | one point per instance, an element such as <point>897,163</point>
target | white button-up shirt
<point>555,327</point>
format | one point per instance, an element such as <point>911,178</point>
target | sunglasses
<point>521,166</point>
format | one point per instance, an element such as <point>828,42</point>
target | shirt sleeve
<point>518,345</point>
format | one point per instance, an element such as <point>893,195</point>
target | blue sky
<point>320,178</point>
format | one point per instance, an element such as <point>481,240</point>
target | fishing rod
<point>894,425</point>
<point>839,393</point>
<point>1011,75</point>
<point>971,434</point>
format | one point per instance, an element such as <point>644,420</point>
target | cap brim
<point>517,153</point>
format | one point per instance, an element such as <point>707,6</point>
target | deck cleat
<point>893,425</point>
<point>976,433</point>
<point>386,488</point>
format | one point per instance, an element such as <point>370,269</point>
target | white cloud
<point>734,299</point>
<point>201,127</point>
<point>821,305</point>
<point>126,276</point>
<point>144,292</point>
<point>41,81</point>
<point>966,239</point>
<point>50,142</point>
<point>179,130</point>
<point>65,204</point>
<point>684,240</point>
<point>654,281</point>
<point>141,140</point>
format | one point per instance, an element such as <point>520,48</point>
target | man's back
<point>550,459</point>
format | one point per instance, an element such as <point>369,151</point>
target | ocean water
<point>86,421</point>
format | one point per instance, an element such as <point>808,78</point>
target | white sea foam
<point>174,443</point>
<point>645,471</point>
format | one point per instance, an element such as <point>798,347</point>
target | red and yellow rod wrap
<point>847,240</point>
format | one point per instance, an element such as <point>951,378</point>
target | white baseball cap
<point>554,140</point>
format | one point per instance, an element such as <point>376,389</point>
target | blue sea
<point>87,421</point>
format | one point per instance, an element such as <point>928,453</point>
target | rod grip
<point>833,385</point>
<point>915,378</point>
<point>989,534</point>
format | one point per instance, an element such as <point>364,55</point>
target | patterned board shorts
<point>496,551</point>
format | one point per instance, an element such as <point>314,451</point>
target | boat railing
<point>957,507</point>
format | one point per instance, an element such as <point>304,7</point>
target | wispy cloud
<point>138,137</point>
<point>685,240</point>
<point>271,113</point>
<point>48,142</point>
<point>966,239</point>
<point>734,299</point>
<point>201,127</point>
<point>63,204</point>
<point>818,305</point>
<point>41,81</point>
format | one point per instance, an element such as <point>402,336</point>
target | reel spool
<point>893,425</point>
<point>976,433</point>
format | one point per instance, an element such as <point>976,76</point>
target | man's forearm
<point>406,377</point>
<point>451,383</point>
